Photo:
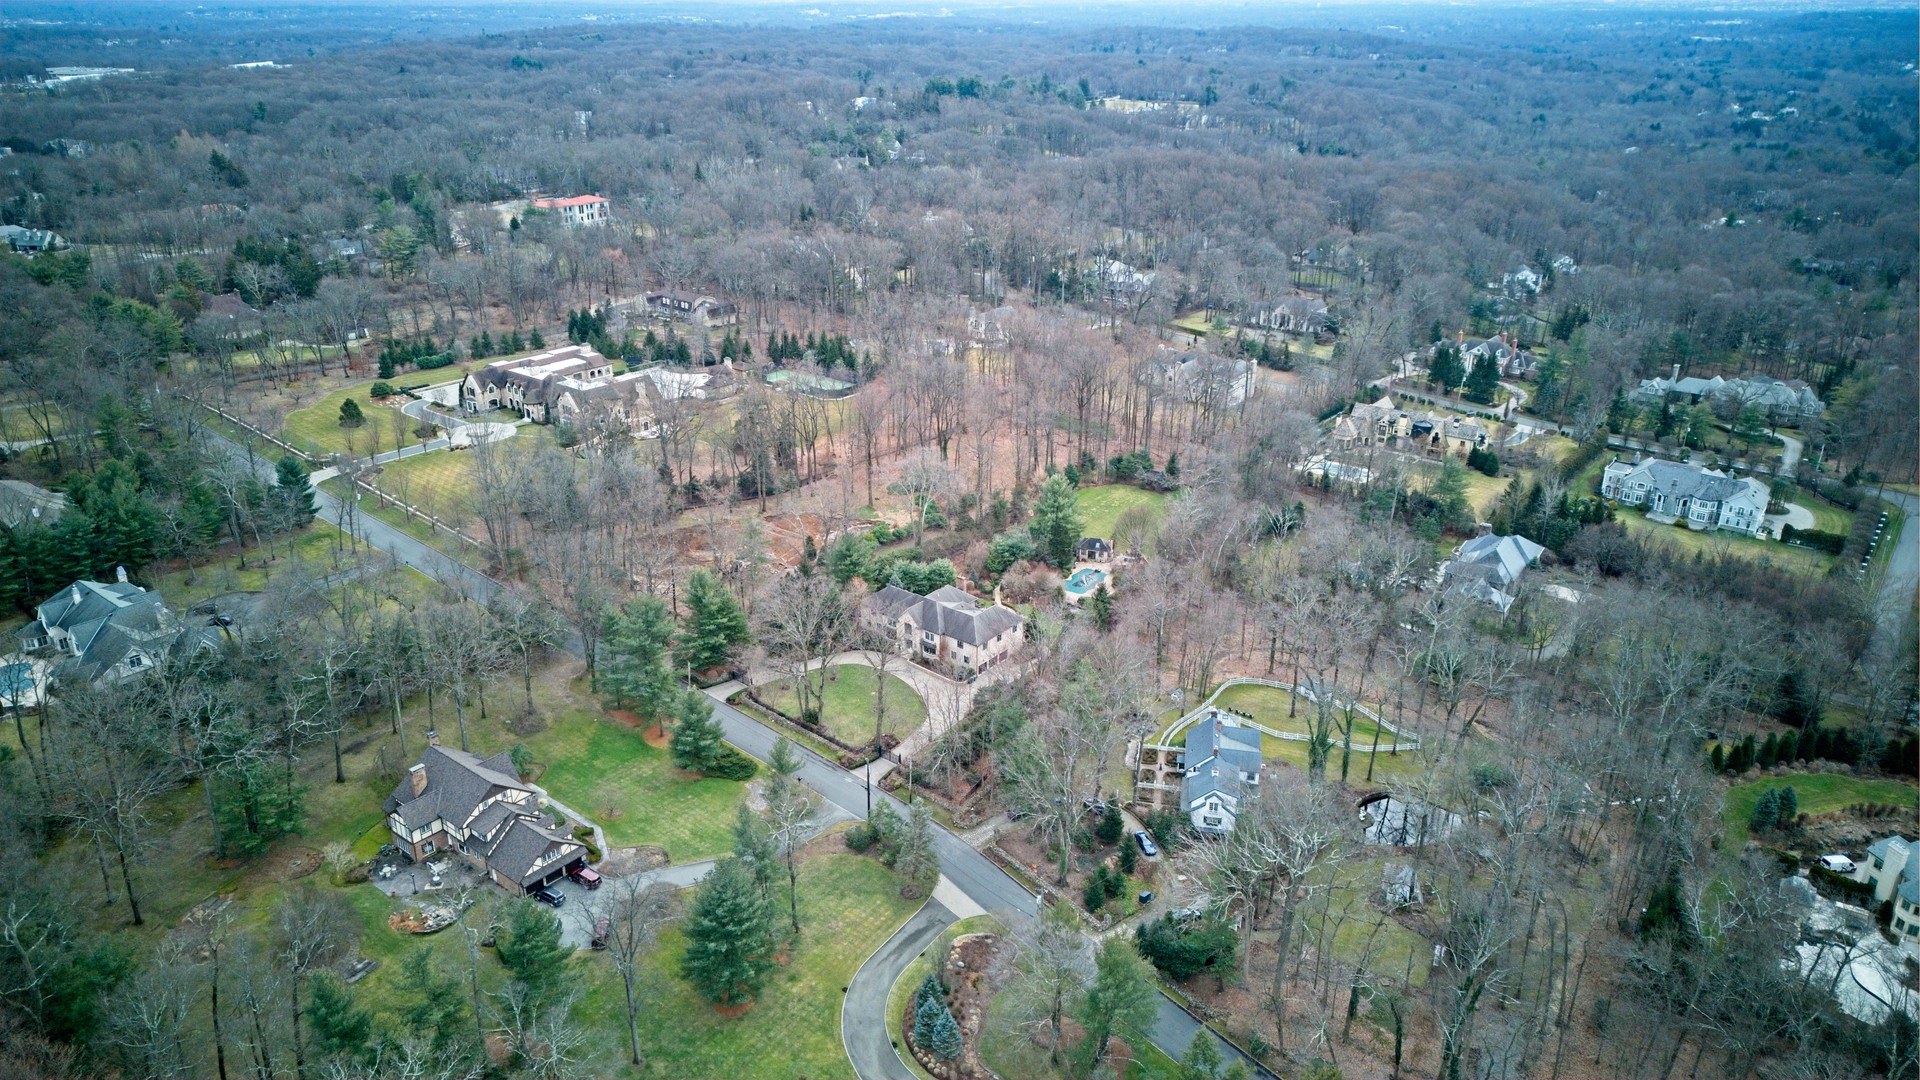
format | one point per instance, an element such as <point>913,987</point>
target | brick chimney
<point>1462,338</point>
<point>417,779</point>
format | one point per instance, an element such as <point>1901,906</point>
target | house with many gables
<point>478,809</point>
<point>1705,499</point>
<point>947,629</point>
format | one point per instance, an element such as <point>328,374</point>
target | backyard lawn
<point>1268,705</point>
<point>1101,507</point>
<point>849,696</point>
<point>1798,559</point>
<point>849,905</point>
<point>1007,1050</point>
<point>1816,793</point>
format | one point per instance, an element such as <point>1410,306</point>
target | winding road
<point>965,869</point>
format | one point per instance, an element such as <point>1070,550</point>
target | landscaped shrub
<point>1108,830</point>
<point>1167,827</point>
<point>1183,949</point>
<point>382,389</point>
<point>731,764</point>
<point>1831,543</point>
<point>584,834</point>
<point>1094,895</point>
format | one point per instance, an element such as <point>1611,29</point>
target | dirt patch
<point>733,1012</point>
<point>654,734</point>
<point>527,724</point>
<point>625,861</point>
<point>293,864</point>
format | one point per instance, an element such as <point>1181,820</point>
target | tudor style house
<point>1705,499</point>
<point>948,629</point>
<point>1381,423</point>
<point>478,809</point>
<point>107,632</point>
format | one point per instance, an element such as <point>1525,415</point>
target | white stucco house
<point>1705,499</point>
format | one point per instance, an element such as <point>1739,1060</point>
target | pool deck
<point>1106,578</point>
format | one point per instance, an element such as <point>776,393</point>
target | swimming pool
<point>806,380</point>
<point>1084,580</point>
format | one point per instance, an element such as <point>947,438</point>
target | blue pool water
<point>1085,580</point>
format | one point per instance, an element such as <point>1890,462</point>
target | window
<point>1212,821</point>
<point>135,660</point>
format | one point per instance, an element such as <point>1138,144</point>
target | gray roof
<point>1501,559</point>
<point>21,502</point>
<point>1092,543</point>
<point>1216,740</point>
<point>1879,847</point>
<point>948,612</point>
<point>1688,481</point>
<point>458,783</point>
<point>523,844</point>
<point>1909,889</point>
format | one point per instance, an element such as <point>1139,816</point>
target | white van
<point>1839,864</point>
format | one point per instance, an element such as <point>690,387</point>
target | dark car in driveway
<point>585,876</point>
<point>602,930</point>
<point>1147,846</point>
<point>549,895</point>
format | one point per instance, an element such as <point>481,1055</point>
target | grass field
<point>607,771</point>
<point>1818,793</point>
<point>1826,516</point>
<point>316,429</point>
<point>1101,507</point>
<point>1798,559</point>
<point>916,972</point>
<point>849,695</point>
<point>439,483</point>
<point>848,906</point>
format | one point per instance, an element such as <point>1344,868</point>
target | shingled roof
<point>947,612</point>
<point>458,784</point>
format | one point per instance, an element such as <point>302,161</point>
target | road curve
<point>863,1012</point>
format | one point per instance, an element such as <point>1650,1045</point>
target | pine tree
<point>1202,1059</point>
<point>916,865</point>
<point>926,1015</point>
<point>929,988</point>
<point>295,489</point>
<point>946,1043</point>
<point>714,625</point>
<point>1483,380</point>
<point>729,937</point>
<point>530,949</point>
<point>1101,607</point>
<point>1768,753</point>
<point>1766,812</point>
<point>1446,371</point>
<point>1056,522</point>
<point>1718,759</point>
<point>1122,996</point>
<point>338,1026</point>
<point>1787,809</point>
<point>753,845</point>
<point>350,414</point>
<point>535,341</point>
<point>1173,466</point>
<point>695,744</point>
<point>638,637</point>
<point>1788,748</point>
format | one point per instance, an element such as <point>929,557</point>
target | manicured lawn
<point>1819,793</point>
<point>1826,516</point>
<point>850,693</point>
<point>316,429</point>
<point>439,483</point>
<point>849,905</point>
<point>916,972</point>
<point>1101,507</point>
<point>600,768</point>
<point>1786,556</point>
<point>1388,769</point>
<point>314,550</point>
<point>1268,705</point>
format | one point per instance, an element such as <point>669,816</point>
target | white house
<point>1223,765</point>
<point>1705,499</point>
<point>947,628</point>
<point>576,211</point>
<point>1202,378</point>
<point>1893,869</point>
<point>106,632</point>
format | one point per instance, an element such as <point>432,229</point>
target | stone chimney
<point>120,574</point>
<point>74,592</point>
<point>433,737</point>
<point>417,779</point>
<point>1484,528</point>
<point>1676,373</point>
<point>1461,339</point>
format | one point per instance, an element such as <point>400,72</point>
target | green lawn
<point>1826,516</point>
<point>849,905</point>
<point>1387,768</point>
<point>1268,705</point>
<point>916,972</point>
<point>1101,507</point>
<point>439,483</point>
<point>596,766</point>
<point>1006,1049</point>
<point>316,429</point>
<point>1817,794</point>
<point>1798,559</point>
<point>850,693</point>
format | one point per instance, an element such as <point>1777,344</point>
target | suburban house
<point>1382,424</point>
<point>570,384</point>
<point>1223,772</point>
<point>1893,869</point>
<point>1782,402</point>
<point>23,504</point>
<point>948,628</point>
<point>1291,315</point>
<point>578,210</point>
<point>992,329</point>
<point>1092,549</point>
<point>695,308</point>
<point>1202,378</point>
<point>106,632</point>
<point>1515,362</point>
<point>1488,567</point>
<point>1703,498</point>
<point>478,809</point>
<point>1120,283</point>
<point>31,241</point>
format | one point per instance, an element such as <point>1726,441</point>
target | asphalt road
<point>1898,584</point>
<point>863,1011</point>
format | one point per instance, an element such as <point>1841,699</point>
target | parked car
<point>1147,846</point>
<point>602,929</point>
<point>585,876</point>
<point>1839,864</point>
<point>549,895</point>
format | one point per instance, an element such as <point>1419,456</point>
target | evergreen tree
<point>530,949</point>
<point>1449,494</point>
<point>1787,808</point>
<point>1101,607</point>
<point>350,414</point>
<point>1129,858</point>
<point>295,490</point>
<point>946,1043</point>
<point>753,845</point>
<point>1768,753</point>
<point>929,988</point>
<point>926,1013</point>
<point>1718,758</point>
<point>338,1026</point>
<point>1173,466</point>
<point>430,1000</point>
<point>915,863</point>
<point>535,341</point>
<point>729,937</point>
<point>1483,380</point>
<point>714,625</point>
<point>1766,812</point>
<point>638,637</point>
<point>695,744</point>
<point>1122,997</point>
<point>1445,371</point>
<point>1202,1059</point>
<point>1056,525</point>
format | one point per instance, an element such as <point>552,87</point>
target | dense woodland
<point>1732,195</point>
